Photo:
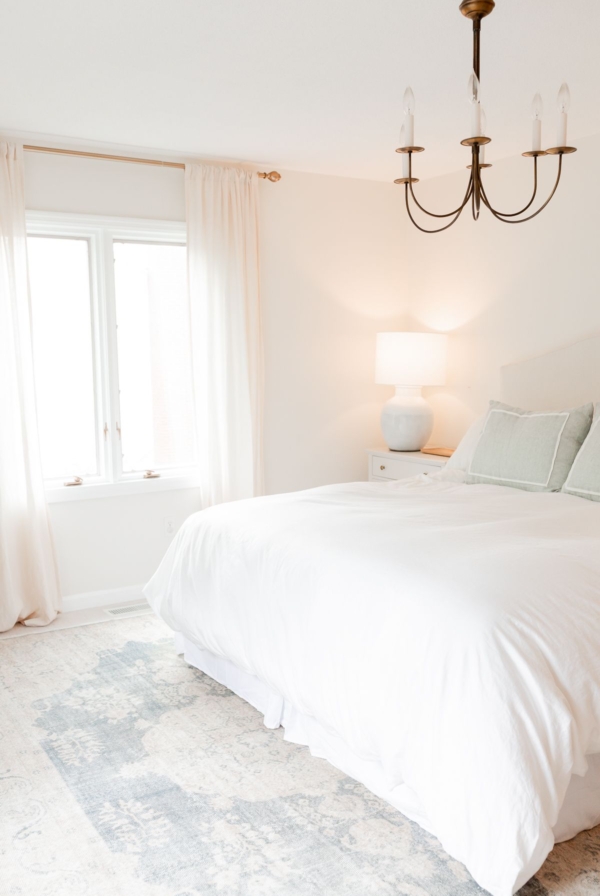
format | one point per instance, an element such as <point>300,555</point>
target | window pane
<point>59,276</point>
<point>153,338</point>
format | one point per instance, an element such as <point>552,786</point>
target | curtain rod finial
<point>270,175</point>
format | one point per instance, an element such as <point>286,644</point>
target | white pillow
<point>462,457</point>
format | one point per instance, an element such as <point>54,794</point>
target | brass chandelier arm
<point>433,214</point>
<point>499,215</point>
<point>447,214</point>
<point>446,226</point>
<point>530,203</point>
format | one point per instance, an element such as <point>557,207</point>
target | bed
<point>437,641</point>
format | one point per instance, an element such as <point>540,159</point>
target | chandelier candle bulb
<point>564,102</point>
<point>536,137</point>
<point>473,89</point>
<point>474,99</point>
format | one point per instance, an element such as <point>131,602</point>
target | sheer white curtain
<point>29,588</point>
<point>222,239</point>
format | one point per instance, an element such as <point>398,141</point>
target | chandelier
<point>476,195</point>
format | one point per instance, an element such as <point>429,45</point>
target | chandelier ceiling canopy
<point>475,194</point>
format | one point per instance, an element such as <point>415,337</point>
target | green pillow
<point>529,449</point>
<point>584,477</point>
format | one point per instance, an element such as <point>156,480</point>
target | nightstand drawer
<point>384,467</point>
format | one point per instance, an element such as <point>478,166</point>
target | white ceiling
<point>314,85</point>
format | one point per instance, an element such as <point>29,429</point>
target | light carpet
<point>124,772</point>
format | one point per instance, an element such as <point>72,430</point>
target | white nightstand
<point>385,464</point>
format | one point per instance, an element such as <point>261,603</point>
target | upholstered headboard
<point>563,378</point>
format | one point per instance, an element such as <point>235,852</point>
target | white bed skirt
<point>580,810</point>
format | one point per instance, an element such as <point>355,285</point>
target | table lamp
<point>409,361</point>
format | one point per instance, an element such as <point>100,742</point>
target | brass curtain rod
<point>273,176</point>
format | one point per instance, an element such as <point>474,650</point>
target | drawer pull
<point>382,467</point>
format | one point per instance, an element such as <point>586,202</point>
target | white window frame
<point>101,232</point>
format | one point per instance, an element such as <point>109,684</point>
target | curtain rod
<point>273,176</point>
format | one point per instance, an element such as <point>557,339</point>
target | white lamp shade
<point>411,359</point>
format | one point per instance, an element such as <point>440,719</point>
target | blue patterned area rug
<point>123,772</point>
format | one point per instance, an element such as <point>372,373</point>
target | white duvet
<point>450,632</point>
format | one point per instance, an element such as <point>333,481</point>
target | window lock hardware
<point>76,480</point>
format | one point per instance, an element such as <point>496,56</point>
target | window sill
<point>59,494</point>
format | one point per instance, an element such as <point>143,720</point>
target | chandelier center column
<point>477,47</point>
<point>476,10</point>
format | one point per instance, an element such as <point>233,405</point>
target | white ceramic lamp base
<point>406,420</point>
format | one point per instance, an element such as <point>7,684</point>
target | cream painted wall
<point>93,187</point>
<point>108,543</point>
<point>332,277</point>
<point>505,292</point>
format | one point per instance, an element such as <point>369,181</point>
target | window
<point>59,272</point>
<point>112,353</point>
<point>154,359</point>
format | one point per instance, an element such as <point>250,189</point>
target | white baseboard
<point>90,599</point>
